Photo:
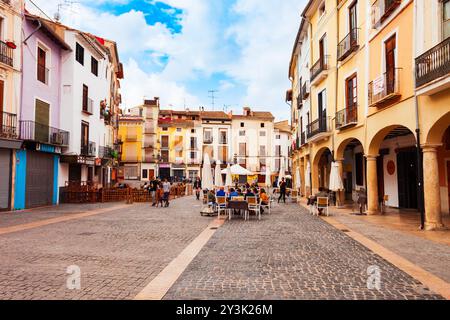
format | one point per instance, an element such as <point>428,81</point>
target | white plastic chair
<point>253,205</point>
<point>323,203</point>
<point>221,206</point>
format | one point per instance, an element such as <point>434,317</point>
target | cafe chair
<point>221,206</point>
<point>383,203</point>
<point>267,206</point>
<point>323,204</point>
<point>253,205</point>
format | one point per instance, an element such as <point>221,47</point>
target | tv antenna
<point>225,107</point>
<point>62,4</point>
<point>213,97</point>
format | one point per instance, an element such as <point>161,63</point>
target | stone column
<point>340,195</point>
<point>432,195</point>
<point>372,185</point>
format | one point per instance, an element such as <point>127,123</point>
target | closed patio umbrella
<point>335,178</point>
<point>308,176</point>
<point>282,172</point>
<point>207,179</point>
<point>268,182</point>
<point>218,182</point>
<point>238,171</point>
<point>229,178</point>
<point>298,179</point>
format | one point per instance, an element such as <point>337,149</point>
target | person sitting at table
<point>212,199</point>
<point>256,192</point>
<point>264,199</point>
<point>249,193</point>
<point>239,192</point>
<point>233,193</point>
<point>221,192</point>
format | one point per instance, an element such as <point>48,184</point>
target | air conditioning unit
<point>92,151</point>
<point>57,138</point>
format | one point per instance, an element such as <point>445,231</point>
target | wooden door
<point>41,65</point>
<point>448,183</point>
<point>351,97</point>
<point>322,52</point>
<point>390,64</point>
<point>84,137</point>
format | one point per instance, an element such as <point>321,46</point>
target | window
<point>278,137</point>
<point>193,155</point>
<point>165,129</point>
<point>85,98</point>
<point>243,149</point>
<point>322,108</point>
<point>446,19</point>
<point>351,92</point>
<point>165,156</point>
<point>94,66</point>
<point>242,125</point>
<point>207,136</point>
<point>165,142</point>
<point>223,137</point>
<point>262,125</point>
<point>262,151</point>
<point>322,9</point>
<point>262,133</point>
<point>242,133</point>
<point>145,174</point>
<point>223,154</point>
<point>178,129</point>
<point>79,54</point>
<point>84,137</point>
<point>42,74</point>
<point>193,143</point>
<point>192,130</point>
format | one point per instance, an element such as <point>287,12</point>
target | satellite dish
<point>57,16</point>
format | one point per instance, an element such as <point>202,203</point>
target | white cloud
<point>264,32</point>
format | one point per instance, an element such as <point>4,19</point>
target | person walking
<point>198,187</point>
<point>283,187</point>
<point>166,189</point>
<point>153,188</point>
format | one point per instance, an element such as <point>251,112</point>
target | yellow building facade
<point>374,62</point>
<point>131,129</point>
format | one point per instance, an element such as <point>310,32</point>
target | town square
<point>225,150</point>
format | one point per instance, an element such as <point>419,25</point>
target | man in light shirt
<point>166,189</point>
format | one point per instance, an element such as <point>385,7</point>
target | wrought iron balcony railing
<point>299,101</point>
<point>8,125</point>
<point>320,66</point>
<point>347,117</point>
<point>382,9</point>
<point>105,152</point>
<point>316,127</point>
<point>433,64</point>
<point>89,150</point>
<point>6,54</point>
<point>305,90</point>
<point>384,88</point>
<point>348,45</point>
<point>34,131</point>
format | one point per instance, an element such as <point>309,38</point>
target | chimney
<point>247,111</point>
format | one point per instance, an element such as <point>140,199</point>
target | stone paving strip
<point>292,255</point>
<point>433,282</point>
<point>46,222</point>
<point>157,289</point>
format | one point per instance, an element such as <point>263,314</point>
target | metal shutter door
<point>39,188</point>
<point>5,169</point>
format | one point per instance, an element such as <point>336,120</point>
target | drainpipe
<point>36,30</point>
<point>420,188</point>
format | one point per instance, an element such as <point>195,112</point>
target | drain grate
<point>345,230</point>
<point>86,234</point>
<point>214,228</point>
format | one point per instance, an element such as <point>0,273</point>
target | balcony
<point>319,69</point>
<point>43,74</point>
<point>8,125</point>
<point>305,90</point>
<point>382,9</point>
<point>208,141</point>
<point>33,131</point>
<point>348,45</point>
<point>88,108</point>
<point>150,142</point>
<point>105,152</point>
<point>316,127</point>
<point>89,150</point>
<point>384,88</point>
<point>6,54</point>
<point>299,101</point>
<point>149,128</point>
<point>347,117</point>
<point>433,64</point>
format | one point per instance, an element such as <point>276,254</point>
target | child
<point>159,196</point>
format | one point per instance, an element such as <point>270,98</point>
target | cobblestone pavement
<point>289,255</point>
<point>429,255</point>
<point>119,252</point>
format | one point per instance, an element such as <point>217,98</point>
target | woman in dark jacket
<point>198,187</point>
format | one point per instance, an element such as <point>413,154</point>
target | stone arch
<point>343,145</point>
<point>319,155</point>
<point>436,132</point>
<point>376,141</point>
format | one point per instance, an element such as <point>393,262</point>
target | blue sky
<point>178,50</point>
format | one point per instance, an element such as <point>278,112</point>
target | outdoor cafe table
<point>237,205</point>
